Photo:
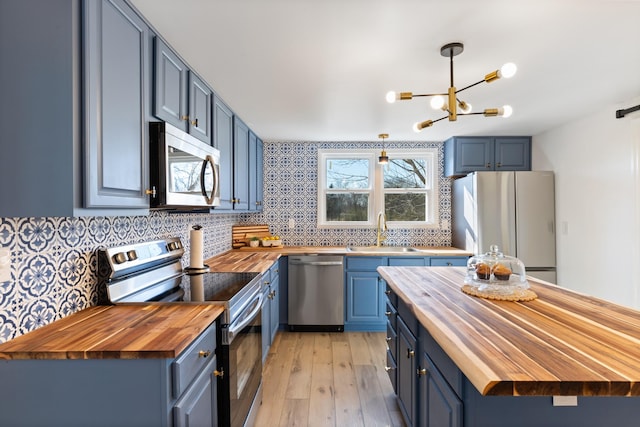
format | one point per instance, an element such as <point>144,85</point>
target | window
<point>353,188</point>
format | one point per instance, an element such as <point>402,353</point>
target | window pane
<point>347,174</point>
<point>405,173</point>
<point>347,207</point>
<point>405,207</point>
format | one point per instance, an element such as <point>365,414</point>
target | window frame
<point>376,190</point>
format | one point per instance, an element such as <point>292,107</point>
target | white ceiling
<point>318,70</point>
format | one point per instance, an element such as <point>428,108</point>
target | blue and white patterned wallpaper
<point>53,260</point>
<point>291,188</point>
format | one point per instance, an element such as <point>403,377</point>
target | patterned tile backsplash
<point>291,188</point>
<point>53,260</point>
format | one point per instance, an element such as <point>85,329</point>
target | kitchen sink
<point>401,249</point>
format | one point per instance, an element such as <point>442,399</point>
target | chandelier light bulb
<point>508,70</point>
<point>437,102</point>
<point>391,97</point>
<point>505,111</point>
<point>465,107</point>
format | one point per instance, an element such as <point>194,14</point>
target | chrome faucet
<point>382,227</point>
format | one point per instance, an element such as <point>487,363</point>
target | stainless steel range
<point>152,272</point>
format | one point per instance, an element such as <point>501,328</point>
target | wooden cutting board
<point>240,234</point>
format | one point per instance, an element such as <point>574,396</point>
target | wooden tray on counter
<point>241,234</point>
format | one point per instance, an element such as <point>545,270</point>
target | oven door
<point>241,360</point>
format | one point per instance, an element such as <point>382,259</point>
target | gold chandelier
<point>449,101</point>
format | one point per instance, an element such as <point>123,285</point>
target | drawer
<point>367,263</point>
<point>408,317</point>
<point>274,271</point>
<point>449,261</point>
<point>391,369</point>
<point>392,297</point>
<point>412,261</point>
<point>447,368</point>
<point>186,367</point>
<point>392,340</point>
<point>392,315</point>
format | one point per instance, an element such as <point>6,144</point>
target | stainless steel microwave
<point>185,171</point>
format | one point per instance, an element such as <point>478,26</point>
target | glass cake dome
<point>496,273</point>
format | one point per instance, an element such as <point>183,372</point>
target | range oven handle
<point>247,318</point>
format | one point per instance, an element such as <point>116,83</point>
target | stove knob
<point>120,257</point>
<point>132,255</point>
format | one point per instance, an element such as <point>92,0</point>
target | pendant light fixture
<point>383,159</point>
<point>449,101</point>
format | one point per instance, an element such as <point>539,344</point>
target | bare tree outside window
<point>344,175</point>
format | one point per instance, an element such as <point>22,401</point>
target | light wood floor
<point>327,379</point>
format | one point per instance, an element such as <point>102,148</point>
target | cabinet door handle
<point>488,165</point>
<point>387,313</point>
<point>185,118</point>
<point>219,373</point>
<point>410,353</point>
<point>388,339</point>
<point>194,122</point>
<point>449,264</point>
<point>388,368</point>
<point>422,371</point>
<point>387,292</point>
<point>151,192</point>
<point>498,165</point>
<point>204,353</point>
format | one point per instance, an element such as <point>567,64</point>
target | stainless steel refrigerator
<point>514,210</point>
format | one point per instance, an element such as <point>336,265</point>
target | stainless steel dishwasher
<point>316,293</point>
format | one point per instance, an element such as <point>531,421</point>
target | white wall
<point>596,161</point>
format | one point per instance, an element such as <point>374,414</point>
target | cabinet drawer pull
<point>219,373</point>
<point>388,368</point>
<point>498,165</point>
<point>410,353</point>
<point>488,165</point>
<point>204,353</point>
<point>449,264</point>
<point>422,371</point>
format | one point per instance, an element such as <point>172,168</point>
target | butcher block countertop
<point>342,250</point>
<point>562,343</point>
<point>236,261</point>
<point>124,331</point>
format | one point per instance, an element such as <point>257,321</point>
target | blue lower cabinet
<point>439,405</point>
<point>365,302</point>
<point>406,378</point>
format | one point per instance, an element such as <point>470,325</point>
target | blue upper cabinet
<point>170,86</point>
<point>200,98</point>
<point>465,154</point>
<point>181,97</point>
<point>223,141</point>
<point>78,135</point>
<point>240,165</point>
<point>117,52</point>
<point>255,172</point>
